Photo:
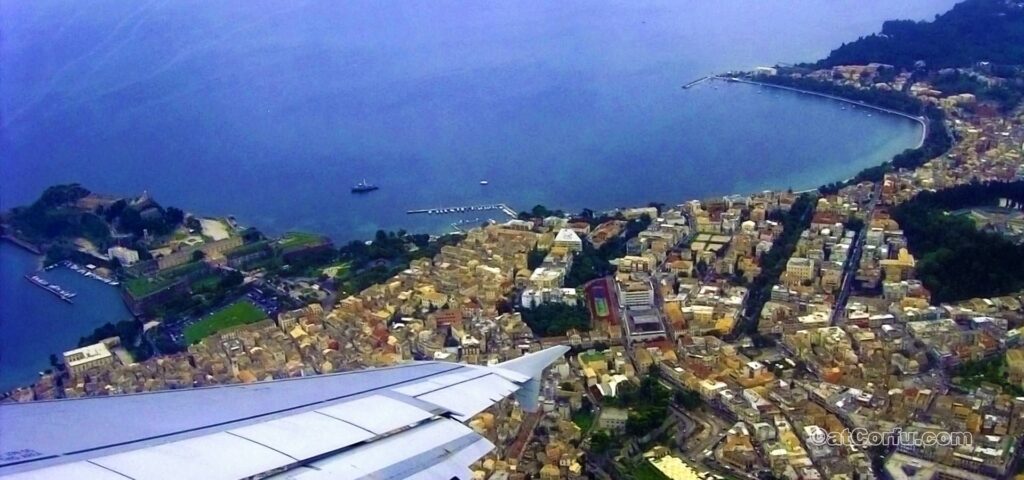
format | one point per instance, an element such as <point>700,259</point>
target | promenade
<point>921,120</point>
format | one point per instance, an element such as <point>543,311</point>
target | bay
<point>271,110</point>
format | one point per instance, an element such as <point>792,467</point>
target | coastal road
<point>921,120</point>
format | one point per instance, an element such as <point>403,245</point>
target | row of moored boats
<point>53,288</point>
<point>86,271</point>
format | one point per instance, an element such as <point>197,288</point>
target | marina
<point>466,209</point>
<point>460,225</point>
<point>53,288</point>
<point>86,271</point>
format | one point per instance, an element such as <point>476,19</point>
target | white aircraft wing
<point>387,423</point>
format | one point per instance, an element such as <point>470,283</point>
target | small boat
<point>363,187</point>
<point>483,182</point>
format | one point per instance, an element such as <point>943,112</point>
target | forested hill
<point>972,31</point>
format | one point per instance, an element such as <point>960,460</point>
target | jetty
<point>23,244</point>
<point>86,271</point>
<point>697,82</point>
<point>465,209</point>
<point>53,288</point>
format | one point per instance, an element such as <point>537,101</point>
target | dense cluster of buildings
<point>881,359</point>
<point>849,338</point>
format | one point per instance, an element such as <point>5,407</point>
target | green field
<point>299,239</point>
<point>337,270</point>
<point>589,357</point>
<point>140,287</point>
<point>239,313</point>
<point>601,307</point>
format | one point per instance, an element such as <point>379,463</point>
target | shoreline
<point>23,244</point>
<point>920,120</point>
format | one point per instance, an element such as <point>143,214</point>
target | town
<point>714,338</point>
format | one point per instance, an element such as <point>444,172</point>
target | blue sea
<point>272,110</point>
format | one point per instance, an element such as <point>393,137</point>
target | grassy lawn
<point>247,249</point>
<point>140,287</point>
<point>299,239</point>
<point>592,357</point>
<point>238,313</point>
<point>337,270</point>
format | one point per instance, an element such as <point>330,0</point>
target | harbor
<point>460,225</point>
<point>465,209</point>
<point>53,288</point>
<point>86,271</point>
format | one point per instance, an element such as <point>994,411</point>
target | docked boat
<point>53,288</point>
<point>363,187</point>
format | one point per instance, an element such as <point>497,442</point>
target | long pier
<point>53,288</point>
<point>23,244</point>
<point>698,81</point>
<point>466,209</point>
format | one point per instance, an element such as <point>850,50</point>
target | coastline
<point>23,244</point>
<point>920,120</point>
<point>30,248</point>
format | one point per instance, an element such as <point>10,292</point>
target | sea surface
<point>272,110</point>
<point>36,323</point>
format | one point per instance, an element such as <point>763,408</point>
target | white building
<point>82,359</point>
<point>613,419</point>
<point>568,239</point>
<point>547,277</point>
<point>636,294</point>
<point>533,297</point>
<point>126,256</point>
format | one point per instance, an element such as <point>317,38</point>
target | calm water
<point>37,323</point>
<point>272,110</point>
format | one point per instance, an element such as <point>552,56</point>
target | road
<point>920,120</point>
<point>853,261</point>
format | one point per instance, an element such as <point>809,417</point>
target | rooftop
<point>86,354</point>
<point>567,235</point>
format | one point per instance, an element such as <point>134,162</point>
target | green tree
<point>601,442</point>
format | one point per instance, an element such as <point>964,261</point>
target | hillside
<point>972,31</point>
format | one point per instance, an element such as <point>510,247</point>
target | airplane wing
<point>398,422</point>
